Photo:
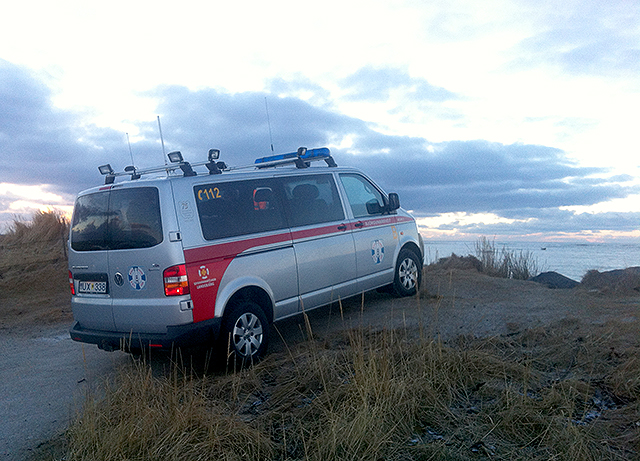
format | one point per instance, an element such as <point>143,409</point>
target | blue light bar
<point>312,154</point>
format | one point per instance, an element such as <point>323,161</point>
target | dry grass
<point>33,271</point>
<point>520,265</point>
<point>559,393</point>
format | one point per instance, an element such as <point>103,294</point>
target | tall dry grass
<point>369,395</point>
<point>520,265</point>
<point>43,228</point>
<point>33,263</point>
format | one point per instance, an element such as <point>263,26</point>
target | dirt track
<point>43,375</point>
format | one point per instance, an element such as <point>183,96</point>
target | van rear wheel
<point>408,274</point>
<point>246,332</point>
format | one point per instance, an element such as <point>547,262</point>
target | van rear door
<point>88,262</point>
<point>118,256</point>
<point>140,251</point>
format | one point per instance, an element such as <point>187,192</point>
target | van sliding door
<point>323,245</point>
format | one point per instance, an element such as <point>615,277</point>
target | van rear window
<point>117,220</point>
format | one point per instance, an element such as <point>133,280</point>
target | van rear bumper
<point>189,335</point>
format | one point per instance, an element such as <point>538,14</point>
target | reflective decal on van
<point>137,278</point>
<point>205,281</point>
<point>377,251</point>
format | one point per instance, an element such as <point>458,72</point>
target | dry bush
<point>454,261</point>
<point>520,265</point>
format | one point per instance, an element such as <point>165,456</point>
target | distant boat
<point>543,248</point>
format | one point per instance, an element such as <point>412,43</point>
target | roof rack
<point>302,158</point>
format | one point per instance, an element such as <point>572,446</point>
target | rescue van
<point>173,257</point>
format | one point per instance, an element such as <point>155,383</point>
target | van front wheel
<point>408,273</point>
<point>246,332</point>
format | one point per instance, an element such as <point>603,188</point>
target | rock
<point>554,280</point>
<point>623,281</point>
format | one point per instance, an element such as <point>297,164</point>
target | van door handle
<point>342,227</point>
<point>359,224</point>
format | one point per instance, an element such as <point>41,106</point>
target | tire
<point>408,274</point>
<point>245,332</point>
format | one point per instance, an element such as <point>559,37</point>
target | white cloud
<point>32,193</point>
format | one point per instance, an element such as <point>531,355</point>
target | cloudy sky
<point>516,119</point>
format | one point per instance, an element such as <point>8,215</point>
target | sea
<point>571,259</point>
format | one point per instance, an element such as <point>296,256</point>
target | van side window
<point>312,200</point>
<point>228,209</point>
<point>117,220</point>
<point>90,220</point>
<point>361,192</point>
<point>134,218</point>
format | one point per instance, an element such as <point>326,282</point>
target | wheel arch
<point>254,294</point>
<point>411,246</point>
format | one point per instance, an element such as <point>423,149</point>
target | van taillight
<point>73,289</point>
<point>175,280</point>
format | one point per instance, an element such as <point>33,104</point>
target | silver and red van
<point>173,257</point>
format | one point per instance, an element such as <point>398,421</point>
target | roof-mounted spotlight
<point>175,157</point>
<point>105,169</point>
<point>108,172</point>
<point>213,166</point>
<point>214,154</point>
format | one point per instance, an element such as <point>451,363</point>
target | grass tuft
<point>520,265</point>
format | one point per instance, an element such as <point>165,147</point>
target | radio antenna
<point>164,155</point>
<point>130,151</point>
<point>268,123</point>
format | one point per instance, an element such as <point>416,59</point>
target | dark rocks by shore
<point>554,280</point>
<point>623,281</point>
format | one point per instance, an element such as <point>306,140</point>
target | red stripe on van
<point>206,265</point>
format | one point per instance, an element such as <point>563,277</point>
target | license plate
<point>92,287</point>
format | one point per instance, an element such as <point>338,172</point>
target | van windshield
<point>117,220</point>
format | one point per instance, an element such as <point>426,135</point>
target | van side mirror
<point>394,202</point>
